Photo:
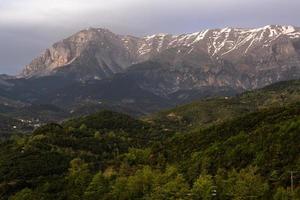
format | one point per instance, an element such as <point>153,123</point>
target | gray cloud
<point>29,26</point>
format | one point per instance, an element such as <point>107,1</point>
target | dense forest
<point>243,147</point>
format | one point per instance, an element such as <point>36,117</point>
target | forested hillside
<point>247,149</point>
<point>219,109</point>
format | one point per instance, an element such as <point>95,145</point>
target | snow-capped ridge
<point>111,53</point>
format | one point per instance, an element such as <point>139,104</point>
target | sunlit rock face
<point>230,57</point>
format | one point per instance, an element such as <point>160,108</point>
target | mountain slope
<point>231,57</point>
<point>48,99</point>
<point>216,110</point>
<point>258,139</point>
<point>97,69</point>
<point>113,156</point>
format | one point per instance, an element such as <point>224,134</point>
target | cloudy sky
<point>29,26</point>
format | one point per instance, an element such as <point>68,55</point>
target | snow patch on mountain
<point>103,52</point>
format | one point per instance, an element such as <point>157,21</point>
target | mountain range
<point>213,54</point>
<point>237,139</point>
<point>96,68</point>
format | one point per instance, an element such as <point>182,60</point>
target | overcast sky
<point>27,27</point>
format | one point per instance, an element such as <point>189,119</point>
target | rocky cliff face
<point>91,53</point>
<point>231,57</point>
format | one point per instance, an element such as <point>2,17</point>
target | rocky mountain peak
<point>99,53</point>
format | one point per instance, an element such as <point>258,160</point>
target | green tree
<point>169,185</point>
<point>281,194</point>
<point>27,194</point>
<point>97,135</point>
<point>245,184</point>
<point>202,188</point>
<point>141,183</point>
<point>98,187</point>
<point>138,156</point>
<point>83,127</point>
<point>78,178</point>
<point>119,190</point>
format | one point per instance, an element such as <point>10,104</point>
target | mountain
<point>229,57</point>
<point>96,69</point>
<point>228,144</point>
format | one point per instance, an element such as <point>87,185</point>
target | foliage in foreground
<point>248,157</point>
<point>113,156</point>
